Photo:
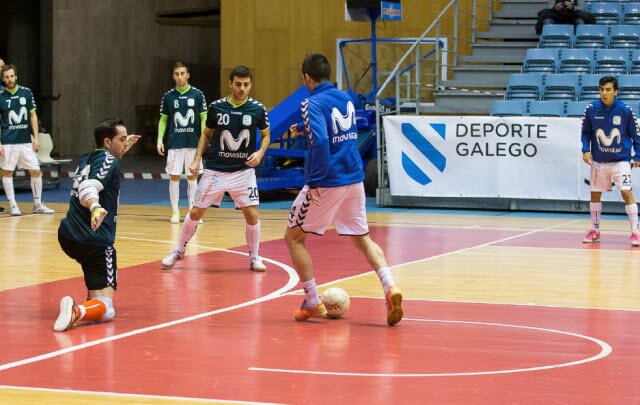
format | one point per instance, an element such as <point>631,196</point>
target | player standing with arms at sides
<point>609,134</point>
<point>88,232</point>
<point>184,110</point>
<point>230,137</point>
<point>334,189</point>
<point>18,121</point>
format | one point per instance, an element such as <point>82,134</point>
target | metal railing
<point>424,63</point>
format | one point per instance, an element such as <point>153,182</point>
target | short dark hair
<point>240,71</point>
<point>5,68</point>
<point>107,129</point>
<point>317,66</point>
<point>609,79</point>
<point>178,64</point>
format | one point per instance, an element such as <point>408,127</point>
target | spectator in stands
<point>563,12</point>
<point>609,136</point>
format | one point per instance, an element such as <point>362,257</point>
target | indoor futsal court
<point>499,308</point>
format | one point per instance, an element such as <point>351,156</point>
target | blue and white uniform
<point>333,166</point>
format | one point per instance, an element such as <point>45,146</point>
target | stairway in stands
<point>482,77</point>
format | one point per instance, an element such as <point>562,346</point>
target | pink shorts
<point>343,206</point>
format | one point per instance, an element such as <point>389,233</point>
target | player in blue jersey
<point>230,139</point>
<point>18,121</point>
<point>183,113</point>
<point>334,189</point>
<point>609,135</point>
<point>88,232</point>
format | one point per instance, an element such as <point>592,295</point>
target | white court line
<point>293,281</point>
<point>605,350</point>
<point>140,396</point>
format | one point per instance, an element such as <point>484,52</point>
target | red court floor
<point>442,352</point>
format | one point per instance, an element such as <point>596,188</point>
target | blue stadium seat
<point>576,108</point>
<point>525,86</point>
<point>556,36</point>
<point>591,36</point>
<point>631,14</point>
<point>509,108</point>
<point>624,36</point>
<point>541,60</point>
<point>629,88</point>
<point>611,61</point>
<point>553,108</point>
<point>576,61</point>
<point>634,62</point>
<point>590,87</point>
<point>562,86</point>
<point>606,13</point>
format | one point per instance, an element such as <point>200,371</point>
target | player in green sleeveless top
<point>183,113</point>
<point>18,121</point>
<point>88,232</point>
<point>231,138</point>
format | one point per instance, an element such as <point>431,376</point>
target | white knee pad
<point>111,312</point>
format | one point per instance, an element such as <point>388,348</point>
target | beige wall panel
<point>271,81</point>
<point>237,34</point>
<point>272,15</point>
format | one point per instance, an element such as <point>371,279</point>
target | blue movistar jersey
<point>610,132</point>
<point>330,121</point>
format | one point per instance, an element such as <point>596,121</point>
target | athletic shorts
<point>343,206</point>
<point>178,161</point>
<point>19,155</point>
<point>604,174</point>
<point>241,186</point>
<point>99,263</point>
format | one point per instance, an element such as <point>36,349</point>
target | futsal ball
<point>336,300</point>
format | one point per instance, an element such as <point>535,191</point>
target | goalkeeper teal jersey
<point>102,166</point>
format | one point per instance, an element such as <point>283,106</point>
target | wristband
<point>94,206</point>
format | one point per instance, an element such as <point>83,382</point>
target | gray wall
<point>111,56</point>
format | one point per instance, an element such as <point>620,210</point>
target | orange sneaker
<point>394,305</point>
<point>306,312</point>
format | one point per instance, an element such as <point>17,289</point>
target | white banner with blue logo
<point>511,157</point>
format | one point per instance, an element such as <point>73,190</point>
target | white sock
<point>386,278</point>
<point>188,230</point>
<point>311,293</point>
<point>36,189</point>
<point>596,210</point>
<point>192,186</point>
<point>632,212</point>
<point>7,183</point>
<point>174,195</point>
<point>252,232</point>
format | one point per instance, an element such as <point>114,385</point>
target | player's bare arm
<point>203,143</point>
<point>34,128</point>
<point>254,159</point>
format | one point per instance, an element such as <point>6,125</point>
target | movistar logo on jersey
<point>184,121</point>
<point>608,140</point>
<point>426,148</point>
<point>19,117</point>
<point>233,144</point>
<point>344,122</point>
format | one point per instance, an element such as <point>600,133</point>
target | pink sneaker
<point>592,237</point>
<point>635,239</point>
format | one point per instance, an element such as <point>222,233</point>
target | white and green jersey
<point>234,133</point>
<point>15,109</point>
<point>183,111</point>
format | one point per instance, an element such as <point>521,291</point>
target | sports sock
<point>311,293</point>
<point>632,212</point>
<point>596,210</point>
<point>92,310</point>
<point>188,230</point>
<point>36,189</point>
<point>252,233</point>
<point>192,186</point>
<point>386,278</point>
<point>7,184</point>
<point>174,194</point>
